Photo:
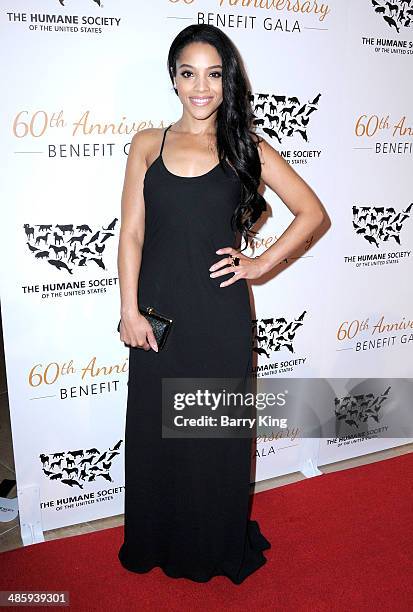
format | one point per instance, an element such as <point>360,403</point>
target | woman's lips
<point>200,101</point>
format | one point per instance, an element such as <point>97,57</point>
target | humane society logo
<point>62,22</point>
<point>281,116</point>
<point>398,14</point>
<point>361,416</point>
<point>379,224</point>
<point>381,227</point>
<point>69,249</point>
<point>51,245</point>
<point>77,467</point>
<point>355,410</point>
<point>276,334</point>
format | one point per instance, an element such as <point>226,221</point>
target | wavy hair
<point>234,125</point>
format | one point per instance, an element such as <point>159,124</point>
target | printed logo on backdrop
<point>273,17</point>
<point>383,135</point>
<point>280,117</point>
<point>397,15</point>
<point>372,408</point>
<point>354,413</point>
<point>374,333</point>
<point>381,227</point>
<point>50,243</point>
<point>72,251</point>
<point>63,22</point>
<point>67,380</point>
<point>75,468</point>
<point>275,335</point>
<point>260,243</point>
<point>79,470</point>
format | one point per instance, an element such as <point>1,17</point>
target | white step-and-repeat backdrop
<point>331,93</point>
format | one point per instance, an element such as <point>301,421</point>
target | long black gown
<point>187,499</point>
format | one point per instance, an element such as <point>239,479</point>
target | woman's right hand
<point>137,332</point>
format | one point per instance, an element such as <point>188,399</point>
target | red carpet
<point>341,541</point>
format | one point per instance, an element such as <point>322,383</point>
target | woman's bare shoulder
<point>147,137</point>
<point>146,142</point>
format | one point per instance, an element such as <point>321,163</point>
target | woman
<point>190,193</point>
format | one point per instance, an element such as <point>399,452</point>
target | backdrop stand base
<point>29,514</point>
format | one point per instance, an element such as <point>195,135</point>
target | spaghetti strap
<point>163,139</point>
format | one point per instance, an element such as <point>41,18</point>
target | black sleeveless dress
<point>187,500</point>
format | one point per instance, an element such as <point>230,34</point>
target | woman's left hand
<point>248,267</point>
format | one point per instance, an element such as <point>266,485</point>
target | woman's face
<point>199,79</point>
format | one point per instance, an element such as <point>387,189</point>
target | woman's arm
<point>135,329</point>
<point>299,198</point>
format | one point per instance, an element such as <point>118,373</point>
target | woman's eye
<point>185,72</point>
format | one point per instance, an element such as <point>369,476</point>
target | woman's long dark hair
<point>234,133</point>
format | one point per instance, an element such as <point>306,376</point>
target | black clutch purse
<point>160,324</point>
